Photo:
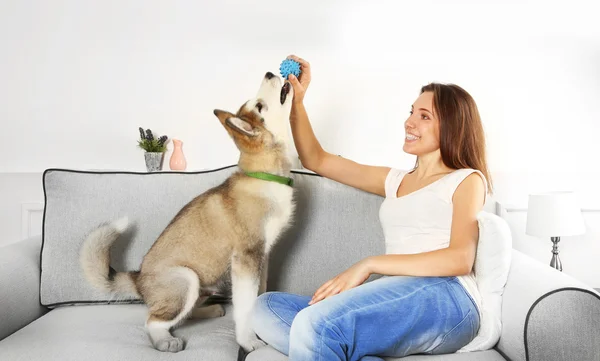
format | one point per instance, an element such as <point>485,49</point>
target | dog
<point>224,233</point>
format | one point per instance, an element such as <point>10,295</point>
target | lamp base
<point>555,262</point>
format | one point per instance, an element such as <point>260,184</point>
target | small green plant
<point>150,144</point>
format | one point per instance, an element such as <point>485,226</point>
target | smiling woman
<point>430,302</point>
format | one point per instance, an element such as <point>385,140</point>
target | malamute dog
<point>225,232</point>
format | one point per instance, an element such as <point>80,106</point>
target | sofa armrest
<point>547,315</point>
<point>19,285</point>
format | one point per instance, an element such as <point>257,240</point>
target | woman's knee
<point>307,326</point>
<point>314,321</point>
<point>271,319</point>
<point>314,329</point>
<point>261,311</point>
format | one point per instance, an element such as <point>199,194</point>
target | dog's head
<point>263,121</point>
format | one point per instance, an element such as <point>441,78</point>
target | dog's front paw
<point>251,343</point>
<point>169,344</point>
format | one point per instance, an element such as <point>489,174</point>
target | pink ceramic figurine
<point>177,158</point>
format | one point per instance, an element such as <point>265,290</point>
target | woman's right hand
<point>301,83</point>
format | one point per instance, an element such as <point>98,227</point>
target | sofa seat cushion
<point>270,354</point>
<point>115,332</point>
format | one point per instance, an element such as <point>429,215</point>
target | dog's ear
<point>235,123</point>
<point>223,115</point>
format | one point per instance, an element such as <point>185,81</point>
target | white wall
<point>77,78</point>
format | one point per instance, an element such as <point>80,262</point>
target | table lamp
<point>554,214</point>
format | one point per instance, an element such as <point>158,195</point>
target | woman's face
<point>422,127</point>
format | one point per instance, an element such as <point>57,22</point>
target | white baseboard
<point>31,219</point>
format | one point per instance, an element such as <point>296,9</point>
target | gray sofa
<point>48,312</point>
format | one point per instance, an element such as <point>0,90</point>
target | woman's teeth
<point>412,137</point>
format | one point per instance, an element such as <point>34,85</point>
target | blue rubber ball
<point>289,66</point>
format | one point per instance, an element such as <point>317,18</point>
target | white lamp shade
<point>554,214</point>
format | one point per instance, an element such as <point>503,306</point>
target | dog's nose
<point>269,75</point>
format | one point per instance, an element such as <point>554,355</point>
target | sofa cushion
<point>334,226</point>
<point>492,265</point>
<point>77,202</point>
<point>115,332</point>
<point>270,354</point>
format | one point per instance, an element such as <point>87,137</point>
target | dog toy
<point>289,66</point>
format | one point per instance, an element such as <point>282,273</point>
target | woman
<point>429,302</point>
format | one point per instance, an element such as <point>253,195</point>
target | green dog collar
<point>271,177</point>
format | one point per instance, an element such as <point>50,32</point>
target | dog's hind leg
<point>210,311</point>
<point>245,282</point>
<point>171,298</point>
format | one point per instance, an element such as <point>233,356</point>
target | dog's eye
<point>259,106</point>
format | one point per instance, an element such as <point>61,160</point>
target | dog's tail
<point>94,258</point>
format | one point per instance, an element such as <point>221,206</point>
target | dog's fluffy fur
<point>224,232</point>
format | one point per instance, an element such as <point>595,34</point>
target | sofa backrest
<point>333,227</point>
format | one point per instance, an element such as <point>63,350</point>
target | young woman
<point>429,302</point>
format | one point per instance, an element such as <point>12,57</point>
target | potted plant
<point>155,149</point>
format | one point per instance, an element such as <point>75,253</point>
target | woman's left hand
<point>350,278</point>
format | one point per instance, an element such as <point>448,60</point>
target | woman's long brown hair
<point>462,139</point>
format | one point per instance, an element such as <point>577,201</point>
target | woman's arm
<point>365,177</point>
<point>455,260</point>
<point>368,178</point>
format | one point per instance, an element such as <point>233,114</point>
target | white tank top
<point>421,221</point>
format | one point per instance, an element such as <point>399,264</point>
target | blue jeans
<point>392,316</point>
